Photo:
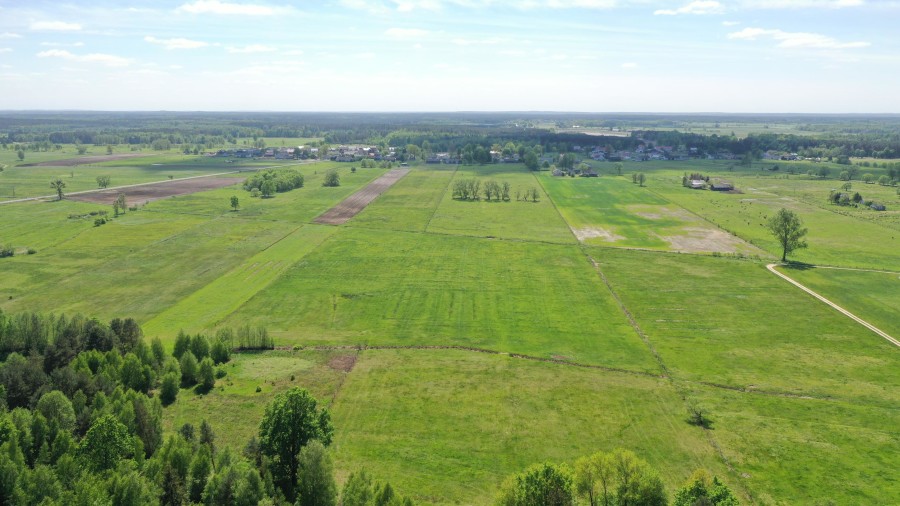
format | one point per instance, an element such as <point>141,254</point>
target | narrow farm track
<point>853,317</point>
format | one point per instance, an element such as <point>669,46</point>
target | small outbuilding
<point>721,187</point>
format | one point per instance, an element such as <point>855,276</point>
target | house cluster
<point>701,182</point>
<point>785,156</point>
<point>355,153</point>
<point>642,153</point>
<point>444,158</point>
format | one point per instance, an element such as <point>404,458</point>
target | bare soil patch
<point>593,232</point>
<point>705,240</point>
<point>149,192</point>
<point>84,160</point>
<point>342,362</point>
<point>352,205</point>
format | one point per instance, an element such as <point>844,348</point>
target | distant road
<point>857,319</point>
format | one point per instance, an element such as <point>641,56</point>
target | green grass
<point>807,451</point>
<point>208,306</point>
<point>410,203</point>
<point>834,238</point>
<point>732,322</point>
<point>377,287</point>
<point>448,426</point>
<point>235,408</point>
<point>537,221</point>
<point>872,296</point>
<point>22,182</point>
<point>614,211</point>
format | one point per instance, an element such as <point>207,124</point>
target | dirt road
<point>857,319</point>
<point>352,205</point>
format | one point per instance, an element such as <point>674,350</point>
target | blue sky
<point>815,56</point>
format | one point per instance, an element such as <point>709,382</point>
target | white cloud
<point>176,43</point>
<point>802,4</point>
<point>476,42</point>
<point>62,44</point>
<point>411,5</point>
<point>55,26</point>
<point>292,52</point>
<point>10,35</point>
<point>730,23</point>
<point>217,7</point>
<point>405,33</point>
<point>699,7</point>
<point>629,65</point>
<point>252,48</point>
<point>796,39</point>
<point>106,59</point>
<point>5,49</point>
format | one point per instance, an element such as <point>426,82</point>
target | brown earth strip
<point>352,205</point>
<point>149,192</point>
<point>84,160</point>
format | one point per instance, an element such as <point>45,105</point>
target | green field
<point>872,296</point>
<point>621,337</point>
<point>18,182</point>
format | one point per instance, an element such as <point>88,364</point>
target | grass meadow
<point>872,296</point>
<point>802,400</point>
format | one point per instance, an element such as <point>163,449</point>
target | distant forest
<point>823,136</point>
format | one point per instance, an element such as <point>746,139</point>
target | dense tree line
<point>81,406</point>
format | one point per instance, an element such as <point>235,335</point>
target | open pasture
<point>450,425</point>
<point>834,238</point>
<point>731,322</point>
<point>398,288</point>
<point>515,219</point>
<point>872,296</point>
<point>612,211</point>
<point>411,202</point>
<point>21,182</point>
<point>806,451</point>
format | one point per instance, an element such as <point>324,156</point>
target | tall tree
<point>291,421</point>
<point>59,185</point>
<point>539,485</point>
<point>315,477</point>
<point>788,230</point>
<point>235,203</point>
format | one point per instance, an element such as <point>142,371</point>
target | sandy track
<point>352,205</point>
<point>853,317</point>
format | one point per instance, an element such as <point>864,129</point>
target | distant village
<point>356,153</point>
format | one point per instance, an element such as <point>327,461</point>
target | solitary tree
<point>641,178</point>
<point>332,179</point>
<point>21,155</point>
<point>119,205</point>
<point>788,230</point>
<point>103,181</point>
<point>58,185</point>
<point>235,203</point>
<point>109,149</point>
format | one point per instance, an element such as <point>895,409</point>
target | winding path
<point>859,320</point>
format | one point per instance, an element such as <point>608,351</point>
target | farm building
<point>698,184</point>
<point>721,187</point>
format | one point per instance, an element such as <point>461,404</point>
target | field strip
<point>857,319</point>
<point>352,205</point>
<point>444,194</point>
<point>210,304</point>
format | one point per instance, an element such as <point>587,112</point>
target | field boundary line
<point>895,342</point>
<point>440,200</point>
<point>855,269</point>
<point>472,349</point>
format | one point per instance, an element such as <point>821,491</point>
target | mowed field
<point>457,342</point>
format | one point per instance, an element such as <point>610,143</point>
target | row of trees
<point>472,189</point>
<point>617,478</point>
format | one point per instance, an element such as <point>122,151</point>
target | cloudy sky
<point>452,55</point>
